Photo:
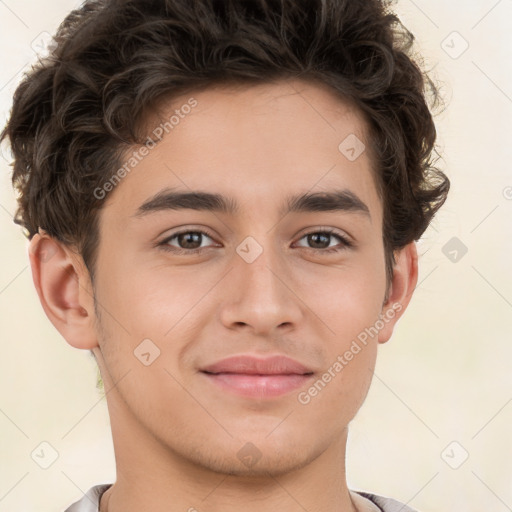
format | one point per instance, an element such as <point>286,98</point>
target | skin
<point>176,436</point>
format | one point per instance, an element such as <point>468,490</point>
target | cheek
<point>143,300</point>
<point>347,298</point>
<point>348,302</point>
<point>340,389</point>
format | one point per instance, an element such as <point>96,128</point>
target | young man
<point>223,200</point>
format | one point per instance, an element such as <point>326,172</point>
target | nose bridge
<point>259,267</point>
<point>259,289</point>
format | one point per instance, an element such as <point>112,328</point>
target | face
<point>182,285</point>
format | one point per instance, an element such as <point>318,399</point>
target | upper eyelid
<point>185,231</point>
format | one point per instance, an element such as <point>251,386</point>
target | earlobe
<point>405,278</point>
<point>64,290</point>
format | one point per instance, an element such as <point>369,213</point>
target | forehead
<point>257,143</point>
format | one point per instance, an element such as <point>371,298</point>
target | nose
<point>260,295</point>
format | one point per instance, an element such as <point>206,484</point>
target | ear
<point>64,288</point>
<point>405,277</point>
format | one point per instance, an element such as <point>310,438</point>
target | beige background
<point>446,374</point>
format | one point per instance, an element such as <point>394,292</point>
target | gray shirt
<point>364,500</point>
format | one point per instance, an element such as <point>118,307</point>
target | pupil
<point>187,237</point>
<point>315,237</point>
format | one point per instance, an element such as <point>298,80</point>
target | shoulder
<point>386,504</point>
<point>90,500</point>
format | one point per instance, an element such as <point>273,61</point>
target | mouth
<point>253,377</point>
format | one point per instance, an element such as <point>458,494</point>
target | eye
<point>188,241</point>
<point>322,237</point>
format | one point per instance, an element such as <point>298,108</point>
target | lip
<point>250,365</point>
<point>255,377</point>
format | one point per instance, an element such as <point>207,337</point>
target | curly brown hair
<point>113,61</point>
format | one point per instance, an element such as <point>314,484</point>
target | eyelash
<point>164,245</point>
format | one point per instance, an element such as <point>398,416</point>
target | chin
<point>256,456</point>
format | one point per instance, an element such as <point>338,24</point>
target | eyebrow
<point>331,201</point>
